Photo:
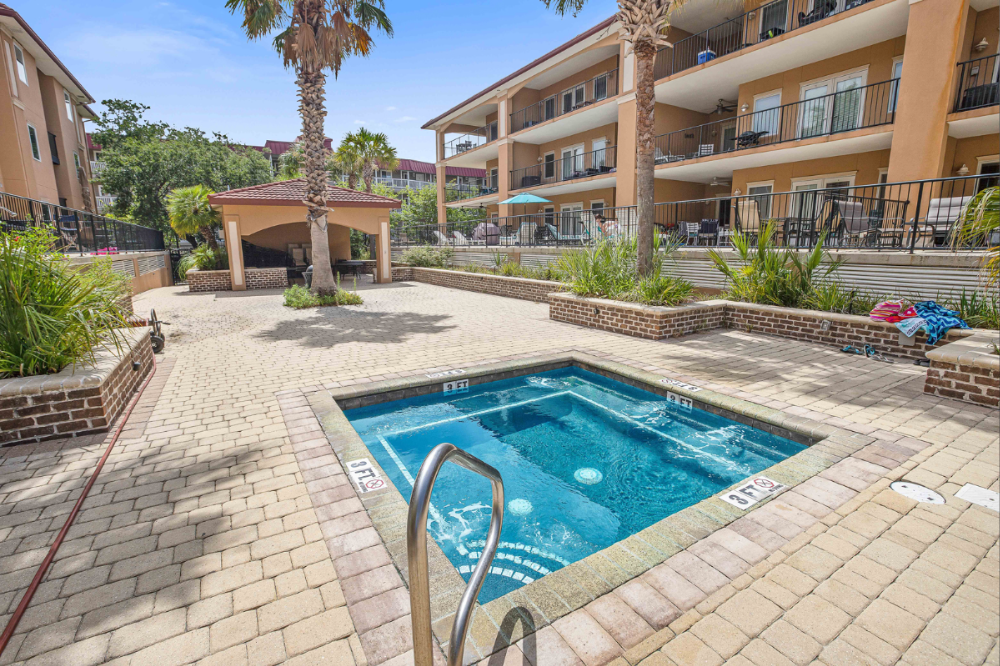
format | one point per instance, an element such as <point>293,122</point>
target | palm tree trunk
<point>645,106</point>
<point>209,235</point>
<point>369,175</point>
<point>311,107</point>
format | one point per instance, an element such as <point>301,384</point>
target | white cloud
<point>390,108</point>
<point>404,119</point>
<point>359,122</point>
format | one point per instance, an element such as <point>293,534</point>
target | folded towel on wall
<point>939,320</point>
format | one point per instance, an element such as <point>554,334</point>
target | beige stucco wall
<point>968,152</point>
<point>864,166</point>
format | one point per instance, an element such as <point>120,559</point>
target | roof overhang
<point>561,52</point>
<point>47,61</point>
<point>218,201</point>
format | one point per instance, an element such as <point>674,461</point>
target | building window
<point>22,71</point>
<point>897,73</point>
<point>36,152</point>
<point>69,105</point>
<point>76,159</point>
<point>990,169</point>
<point>765,113</point>
<point>760,194</point>
<point>54,148</point>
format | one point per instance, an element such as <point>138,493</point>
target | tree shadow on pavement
<point>340,325</point>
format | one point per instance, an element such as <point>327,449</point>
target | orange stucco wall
<point>863,166</point>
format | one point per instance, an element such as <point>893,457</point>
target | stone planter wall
<point>267,278</point>
<point>201,281</point>
<point>76,401</point>
<point>643,321</point>
<point>498,285</point>
<point>965,370</point>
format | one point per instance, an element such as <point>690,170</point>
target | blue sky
<point>189,62</point>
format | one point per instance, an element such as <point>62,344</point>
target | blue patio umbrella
<point>525,199</point>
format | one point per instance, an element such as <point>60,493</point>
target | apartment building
<point>751,98</point>
<point>43,144</point>
<point>412,174</point>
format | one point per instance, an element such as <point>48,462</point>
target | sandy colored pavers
<point>216,451</point>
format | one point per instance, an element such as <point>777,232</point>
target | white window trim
<point>599,138</point>
<point>10,67</point>
<point>38,143</point>
<point>563,207</point>
<point>823,178</point>
<point>760,96</point>
<point>761,183</point>
<point>68,100</point>
<point>593,201</point>
<point>830,78</point>
<point>581,146</point>
<point>18,65</point>
<point>985,159</point>
<point>883,171</point>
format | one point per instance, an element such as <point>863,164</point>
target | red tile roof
<point>293,192</point>
<point>90,142</point>
<point>278,147</point>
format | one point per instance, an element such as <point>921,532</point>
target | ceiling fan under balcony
<point>725,106</point>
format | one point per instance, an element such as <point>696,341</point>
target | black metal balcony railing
<point>901,217</point>
<point>978,83</point>
<point>77,231</point>
<point>462,192</point>
<point>843,111</point>
<point>753,27</point>
<point>579,165</point>
<point>575,97</point>
<point>474,139</point>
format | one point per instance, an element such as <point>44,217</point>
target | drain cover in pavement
<point>980,496</point>
<point>915,492</point>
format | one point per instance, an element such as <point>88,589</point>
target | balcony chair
<point>529,181</point>
<point>748,217</point>
<point>441,238</point>
<point>938,224</point>
<point>709,232</point>
<point>70,236</point>
<point>748,138</point>
<point>569,238</point>
<point>688,232</point>
<point>822,9</point>
<point>462,239</point>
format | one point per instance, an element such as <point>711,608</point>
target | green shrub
<point>834,297</point>
<point>608,270</point>
<point>977,310</point>
<point>428,256</point>
<point>299,297</point>
<point>204,258</point>
<point>51,314</point>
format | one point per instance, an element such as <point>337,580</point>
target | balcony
<point>749,29</point>
<point>836,113</point>
<point>576,97</point>
<point>581,165</point>
<point>474,139</point>
<point>96,168</point>
<point>978,85</point>
<point>400,184</point>
<point>455,193</point>
<point>104,202</point>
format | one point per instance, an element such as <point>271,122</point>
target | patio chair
<point>709,232</point>
<point>854,222</point>
<point>70,236</point>
<point>568,238</point>
<point>441,238</point>
<point>688,232</point>
<point>938,223</point>
<point>462,239</point>
<point>748,216</point>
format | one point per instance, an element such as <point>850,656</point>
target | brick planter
<point>643,321</point>
<point>498,285</point>
<point>965,370</point>
<point>76,401</point>
<point>202,281</point>
<point>267,278</point>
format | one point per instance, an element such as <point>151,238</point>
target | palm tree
<point>979,223</point>
<point>374,153</point>
<point>348,160</point>
<point>643,24</point>
<point>315,36</point>
<point>190,213</point>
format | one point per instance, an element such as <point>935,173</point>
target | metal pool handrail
<point>416,549</point>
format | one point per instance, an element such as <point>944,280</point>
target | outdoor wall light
<point>745,107</point>
<point>962,170</point>
<point>981,46</point>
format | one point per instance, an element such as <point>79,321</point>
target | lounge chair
<point>942,214</point>
<point>748,216</point>
<point>462,239</point>
<point>565,238</point>
<point>441,238</point>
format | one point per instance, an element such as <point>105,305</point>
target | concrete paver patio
<point>201,541</point>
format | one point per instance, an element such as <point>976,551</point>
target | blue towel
<point>939,320</point>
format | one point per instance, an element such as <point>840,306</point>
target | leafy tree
<point>190,213</point>
<point>643,26</point>
<point>145,161</point>
<point>290,162</point>
<point>315,36</point>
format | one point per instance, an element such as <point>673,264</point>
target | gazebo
<point>273,216</point>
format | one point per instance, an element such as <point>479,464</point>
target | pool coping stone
<point>507,619</point>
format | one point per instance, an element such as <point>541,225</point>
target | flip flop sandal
<point>871,353</point>
<point>852,350</point>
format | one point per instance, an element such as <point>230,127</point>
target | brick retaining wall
<point>498,285</point>
<point>966,370</point>
<point>201,281</point>
<point>267,278</point>
<point>643,321</point>
<point>73,402</point>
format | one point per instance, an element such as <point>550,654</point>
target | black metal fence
<point>907,217</point>
<point>842,111</point>
<point>750,28</point>
<point>77,231</point>
<point>474,139</point>
<point>978,83</point>
<point>571,167</point>
<point>575,97</point>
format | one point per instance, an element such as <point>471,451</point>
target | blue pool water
<point>586,462</point>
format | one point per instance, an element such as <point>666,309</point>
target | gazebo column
<point>234,248</point>
<point>383,259</point>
